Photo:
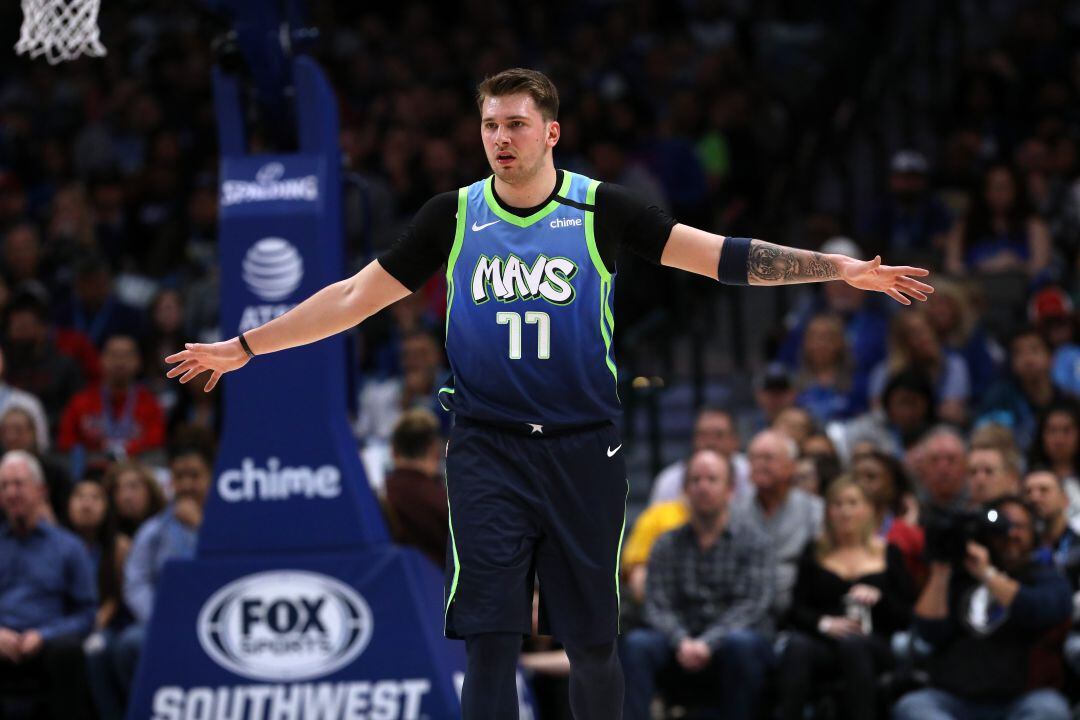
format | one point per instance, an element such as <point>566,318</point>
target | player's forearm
<point>325,313</point>
<point>335,308</point>
<point>730,260</point>
<point>770,264</point>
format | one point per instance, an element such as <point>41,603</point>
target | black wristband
<point>734,261</point>
<point>247,348</point>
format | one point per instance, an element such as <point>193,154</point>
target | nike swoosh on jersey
<point>478,228</point>
<point>611,453</point>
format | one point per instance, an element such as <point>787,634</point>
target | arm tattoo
<point>770,264</point>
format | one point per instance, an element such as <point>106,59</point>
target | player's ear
<point>554,133</point>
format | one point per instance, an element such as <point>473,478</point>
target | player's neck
<point>531,192</point>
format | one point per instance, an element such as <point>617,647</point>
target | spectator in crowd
<point>824,379</point>
<point>91,517</point>
<point>1056,447</point>
<point>818,445</point>
<point>774,392</point>
<point>710,585</point>
<point>959,330</point>
<point>195,408</point>
<point>14,397</point>
<point>135,494</point>
<point>906,413</point>
<point>118,419</point>
<point>415,494</point>
<point>650,525</point>
<point>22,255</point>
<point>795,422</point>
<point>1000,232</point>
<point>992,473</point>
<point>166,333</point>
<point>1016,402</point>
<point>866,324</point>
<point>383,400</point>
<point>914,346</point>
<point>1044,492</point>
<point>911,222</point>
<point>852,593</point>
<point>941,466</point>
<point>18,432</point>
<point>93,306</point>
<point>788,516</point>
<point>984,622</point>
<point>33,362</point>
<point>171,534</point>
<point>714,429</point>
<point>993,435</point>
<point>47,595</point>
<point>1051,312</point>
<point>813,473</point>
<point>883,478</point>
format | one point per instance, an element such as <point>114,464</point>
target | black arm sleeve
<point>424,246</point>
<point>624,219</point>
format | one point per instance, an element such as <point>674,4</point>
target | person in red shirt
<point>117,418</point>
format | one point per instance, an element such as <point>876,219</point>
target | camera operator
<point>984,619</point>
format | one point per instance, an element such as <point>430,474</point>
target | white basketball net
<point>60,29</point>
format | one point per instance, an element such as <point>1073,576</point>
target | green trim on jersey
<point>607,319</point>
<point>493,204</point>
<point>455,250</point>
<point>448,391</point>
<point>618,557</point>
<point>457,564</point>
<point>590,232</point>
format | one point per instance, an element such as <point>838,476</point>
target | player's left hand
<point>896,281</point>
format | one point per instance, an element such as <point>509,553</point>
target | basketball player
<point>534,469</point>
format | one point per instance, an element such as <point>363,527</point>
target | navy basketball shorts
<point>526,504</point>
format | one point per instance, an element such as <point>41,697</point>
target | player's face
<point>517,139</point>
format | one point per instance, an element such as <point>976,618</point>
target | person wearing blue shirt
<point>171,534</point>
<point>48,593</point>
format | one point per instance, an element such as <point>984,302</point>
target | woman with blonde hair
<point>851,594</point>
<point>826,384</point>
<point>913,344</point>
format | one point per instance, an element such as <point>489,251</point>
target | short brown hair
<point>414,433</point>
<point>519,80</point>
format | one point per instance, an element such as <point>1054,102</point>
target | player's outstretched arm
<point>700,252</point>
<point>335,308</point>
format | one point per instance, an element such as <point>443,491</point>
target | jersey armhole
<point>455,250</point>
<point>590,232</point>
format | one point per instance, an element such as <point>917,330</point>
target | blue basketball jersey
<point>528,317</point>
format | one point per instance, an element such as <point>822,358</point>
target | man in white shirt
<point>714,430</point>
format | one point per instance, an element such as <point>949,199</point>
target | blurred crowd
<point>888,525</point>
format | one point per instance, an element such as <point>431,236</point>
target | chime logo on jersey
<point>514,279</point>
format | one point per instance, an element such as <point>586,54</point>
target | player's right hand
<point>219,358</point>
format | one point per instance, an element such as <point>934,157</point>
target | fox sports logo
<point>273,269</point>
<point>283,626</point>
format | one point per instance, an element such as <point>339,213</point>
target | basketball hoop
<point>59,29</point>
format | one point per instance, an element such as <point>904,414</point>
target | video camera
<point>949,531</point>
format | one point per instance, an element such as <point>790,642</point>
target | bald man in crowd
<point>791,517</point>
